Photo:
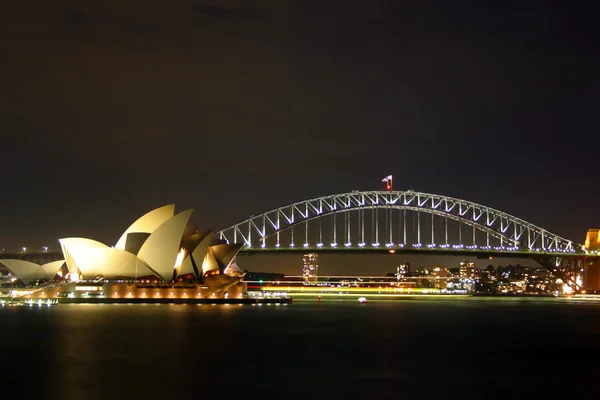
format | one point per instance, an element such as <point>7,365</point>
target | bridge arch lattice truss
<point>516,233</point>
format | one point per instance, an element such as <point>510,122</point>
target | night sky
<point>109,109</point>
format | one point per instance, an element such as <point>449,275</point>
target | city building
<point>403,270</point>
<point>467,270</point>
<point>441,275</point>
<point>310,267</point>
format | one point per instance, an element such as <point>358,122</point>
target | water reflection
<point>335,349</point>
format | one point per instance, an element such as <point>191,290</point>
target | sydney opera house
<point>158,257</point>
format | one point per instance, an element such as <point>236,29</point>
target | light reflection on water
<point>306,349</point>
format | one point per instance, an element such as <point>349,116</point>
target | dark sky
<point>111,108</point>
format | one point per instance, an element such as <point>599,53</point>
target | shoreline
<point>56,301</point>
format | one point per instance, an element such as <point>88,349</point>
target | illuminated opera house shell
<point>159,245</point>
<point>28,272</point>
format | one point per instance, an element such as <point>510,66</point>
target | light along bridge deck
<point>479,252</point>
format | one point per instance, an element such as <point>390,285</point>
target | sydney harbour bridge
<point>406,221</point>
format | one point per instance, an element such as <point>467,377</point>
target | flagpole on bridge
<point>388,182</point>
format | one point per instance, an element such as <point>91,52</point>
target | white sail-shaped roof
<point>90,259</point>
<point>112,263</point>
<point>148,223</point>
<point>232,269</point>
<point>78,252</point>
<point>51,268</point>
<point>210,263</point>
<point>225,253</point>
<point>160,250</point>
<point>24,270</point>
<point>186,267</point>
<point>199,253</point>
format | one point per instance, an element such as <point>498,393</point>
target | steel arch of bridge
<point>516,233</point>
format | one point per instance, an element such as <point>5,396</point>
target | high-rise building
<point>467,269</point>
<point>403,270</point>
<point>310,267</point>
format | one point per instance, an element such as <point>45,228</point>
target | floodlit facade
<point>158,256</point>
<point>157,246</point>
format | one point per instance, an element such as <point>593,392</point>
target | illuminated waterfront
<point>414,349</point>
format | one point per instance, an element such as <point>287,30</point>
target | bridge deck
<point>397,251</point>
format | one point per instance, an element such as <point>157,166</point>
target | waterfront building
<point>467,270</point>
<point>310,267</point>
<point>159,254</point>
<point>441,275</point>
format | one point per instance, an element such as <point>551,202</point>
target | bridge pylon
<point>591,275</point>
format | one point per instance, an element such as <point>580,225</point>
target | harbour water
<point>453,349</point>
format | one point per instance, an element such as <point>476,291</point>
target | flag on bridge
<point>388,182</point>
